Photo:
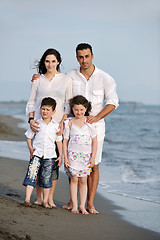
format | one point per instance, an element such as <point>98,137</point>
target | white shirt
<point>59,88</point>
<point>44,140</point>
<point>100,89</point>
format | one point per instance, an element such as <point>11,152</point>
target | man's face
<point>85,58</point>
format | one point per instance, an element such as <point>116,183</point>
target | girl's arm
<point>61,125</point>
<point>59,146</point>
<point>65,147</point>
<point>31,149</point>
<point>94,151</point>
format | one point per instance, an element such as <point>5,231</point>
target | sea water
<point>129,171</point>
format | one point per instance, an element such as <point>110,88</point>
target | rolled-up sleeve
<point>110,92</point>
<point>29,134</point>
<point>30,107</point>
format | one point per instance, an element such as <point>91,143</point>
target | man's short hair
<point>48,101</point>
<point>83,46</point>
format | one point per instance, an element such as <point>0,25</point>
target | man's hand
<point>92,119</point>
<point>35,77</point>
<point>34,125</point>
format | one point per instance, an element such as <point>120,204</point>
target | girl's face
<point>51,63</point>
<point>79,111</point>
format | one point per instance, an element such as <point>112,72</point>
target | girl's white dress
<point>79,148</point>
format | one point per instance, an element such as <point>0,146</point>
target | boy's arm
<point>59,146</point>
<point>94,151</point>
<point>65,147</point>
<point>31,149</point>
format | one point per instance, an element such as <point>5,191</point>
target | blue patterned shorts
<point>42,168</point>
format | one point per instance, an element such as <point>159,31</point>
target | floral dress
<point>79,148</point>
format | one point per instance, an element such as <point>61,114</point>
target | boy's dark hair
<point>83,46</point>
<point>80,100</point>
<point>48,101</point>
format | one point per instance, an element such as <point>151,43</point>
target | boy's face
<point>47,111</point>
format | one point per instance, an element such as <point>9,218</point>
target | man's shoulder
<point>102,72</point>
<point>72,72</point>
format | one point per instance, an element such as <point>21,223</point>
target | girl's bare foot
<point>46,205</point>
<point>39,203</point>
<point>83,211</point>
<point>74,210</point>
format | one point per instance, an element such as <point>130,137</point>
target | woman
<point>51,83</point>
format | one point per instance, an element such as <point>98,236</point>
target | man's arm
<point>35,77</point>
<point>105,111</point>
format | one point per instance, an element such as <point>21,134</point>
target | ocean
<point>130,167</point>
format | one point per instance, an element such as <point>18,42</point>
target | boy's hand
<point>31,152</point>
<point>66,163</point>
<point>34,125</point>
<point>35,77</point>
<point>59,160</point>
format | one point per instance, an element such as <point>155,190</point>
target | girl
<point>79,146</point>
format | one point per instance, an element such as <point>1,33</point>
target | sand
<point>19,222</point>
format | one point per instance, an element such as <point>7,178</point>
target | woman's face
<point>51,63</point>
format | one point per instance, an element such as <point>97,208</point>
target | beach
<point>19,222</point>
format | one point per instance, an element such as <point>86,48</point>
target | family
<point>66,116</point>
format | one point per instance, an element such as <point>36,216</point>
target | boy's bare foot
<point>52,204</point>
<point>68,206</point>
<point>92,210</point>
<point>83,211</point>
<point>74,210</point>
<point>27,204</point>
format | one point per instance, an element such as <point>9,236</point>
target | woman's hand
<point>34,125</point>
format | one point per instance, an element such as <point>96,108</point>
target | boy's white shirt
<point>44,140</point>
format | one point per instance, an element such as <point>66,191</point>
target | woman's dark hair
<point>48,101</point>
<point>80,100</point>
<point>41,66</point>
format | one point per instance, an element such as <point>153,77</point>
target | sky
<point>124,34</point>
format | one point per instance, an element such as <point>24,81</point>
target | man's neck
<point>87,73</point>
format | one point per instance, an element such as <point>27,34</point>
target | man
<point>99,88</point>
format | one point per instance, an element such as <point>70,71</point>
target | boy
<point>43,157</point>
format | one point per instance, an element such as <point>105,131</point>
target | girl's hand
<point>91,162</point>
<point>31,152</point>
<point>60,132</point>
<point>34,125</point>
<point>66,162</point>
<point>59,160</point>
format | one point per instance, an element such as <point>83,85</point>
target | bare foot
<point>68,206</point>
<point>39,203</point>
<point>74,210</point>
<point>52,204</point>
<point>46,205</point>
<point>84,211</point>
<point>92,210</point>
